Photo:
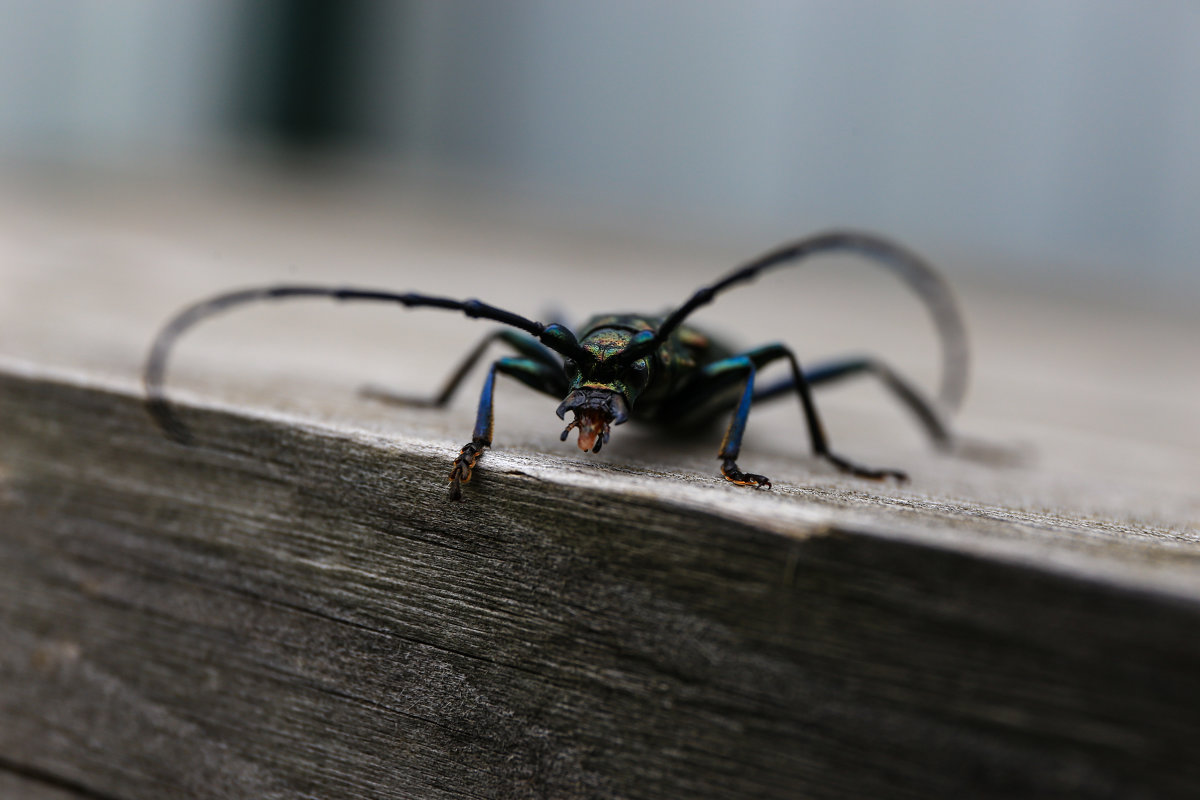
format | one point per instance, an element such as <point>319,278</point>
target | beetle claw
<point>729,469</point>
<point>464,466</point>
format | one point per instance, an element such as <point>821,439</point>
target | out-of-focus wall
<point>1064,135</point>
<point>114,79</point>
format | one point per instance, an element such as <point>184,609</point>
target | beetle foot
<point>864,472</point>
<point>464,466</point>
<point>729,469</point>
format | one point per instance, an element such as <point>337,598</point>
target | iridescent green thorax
<point>607,336</point>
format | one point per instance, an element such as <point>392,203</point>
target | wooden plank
<point>290,610</point>
<point>20,785</point>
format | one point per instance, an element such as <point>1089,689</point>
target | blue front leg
<point>537,375</point>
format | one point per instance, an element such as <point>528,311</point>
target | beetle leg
<point>747,364</point>
<point>525,345</point>
<point>533,374</point>
<point>732,443</point>
<point>816,430</point>
<point>911,397</point>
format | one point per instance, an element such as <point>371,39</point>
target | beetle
<point>652,368</point>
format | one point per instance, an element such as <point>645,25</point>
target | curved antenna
<point>556,337</point>
<point>911,268</point>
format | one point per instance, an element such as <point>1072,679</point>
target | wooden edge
<point>295,610</point>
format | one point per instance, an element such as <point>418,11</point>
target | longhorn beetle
<point>651,368</point>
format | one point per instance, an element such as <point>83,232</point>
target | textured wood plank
<point>290,610</point>
<point>20,785</point>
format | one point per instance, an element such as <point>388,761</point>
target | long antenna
<point>556,337</point>
<point>912,269</point>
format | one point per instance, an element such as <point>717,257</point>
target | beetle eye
<point>571,369</point>
<point>639,373</point>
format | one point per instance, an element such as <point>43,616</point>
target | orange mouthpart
<point>592,425</point>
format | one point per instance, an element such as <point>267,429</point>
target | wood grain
<point>290,611</point>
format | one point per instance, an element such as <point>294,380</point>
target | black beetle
<point>651,368</point>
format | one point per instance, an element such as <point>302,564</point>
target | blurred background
<point>1052,140</point>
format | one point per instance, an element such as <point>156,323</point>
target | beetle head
<point>604,384</point>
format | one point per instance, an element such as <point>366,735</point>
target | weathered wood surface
<point>37,787</point>
<point>291,609</point>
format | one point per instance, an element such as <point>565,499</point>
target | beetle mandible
<point>650,368</point>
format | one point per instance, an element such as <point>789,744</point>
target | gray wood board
<point>293,610</point>
<point>19,783</point>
